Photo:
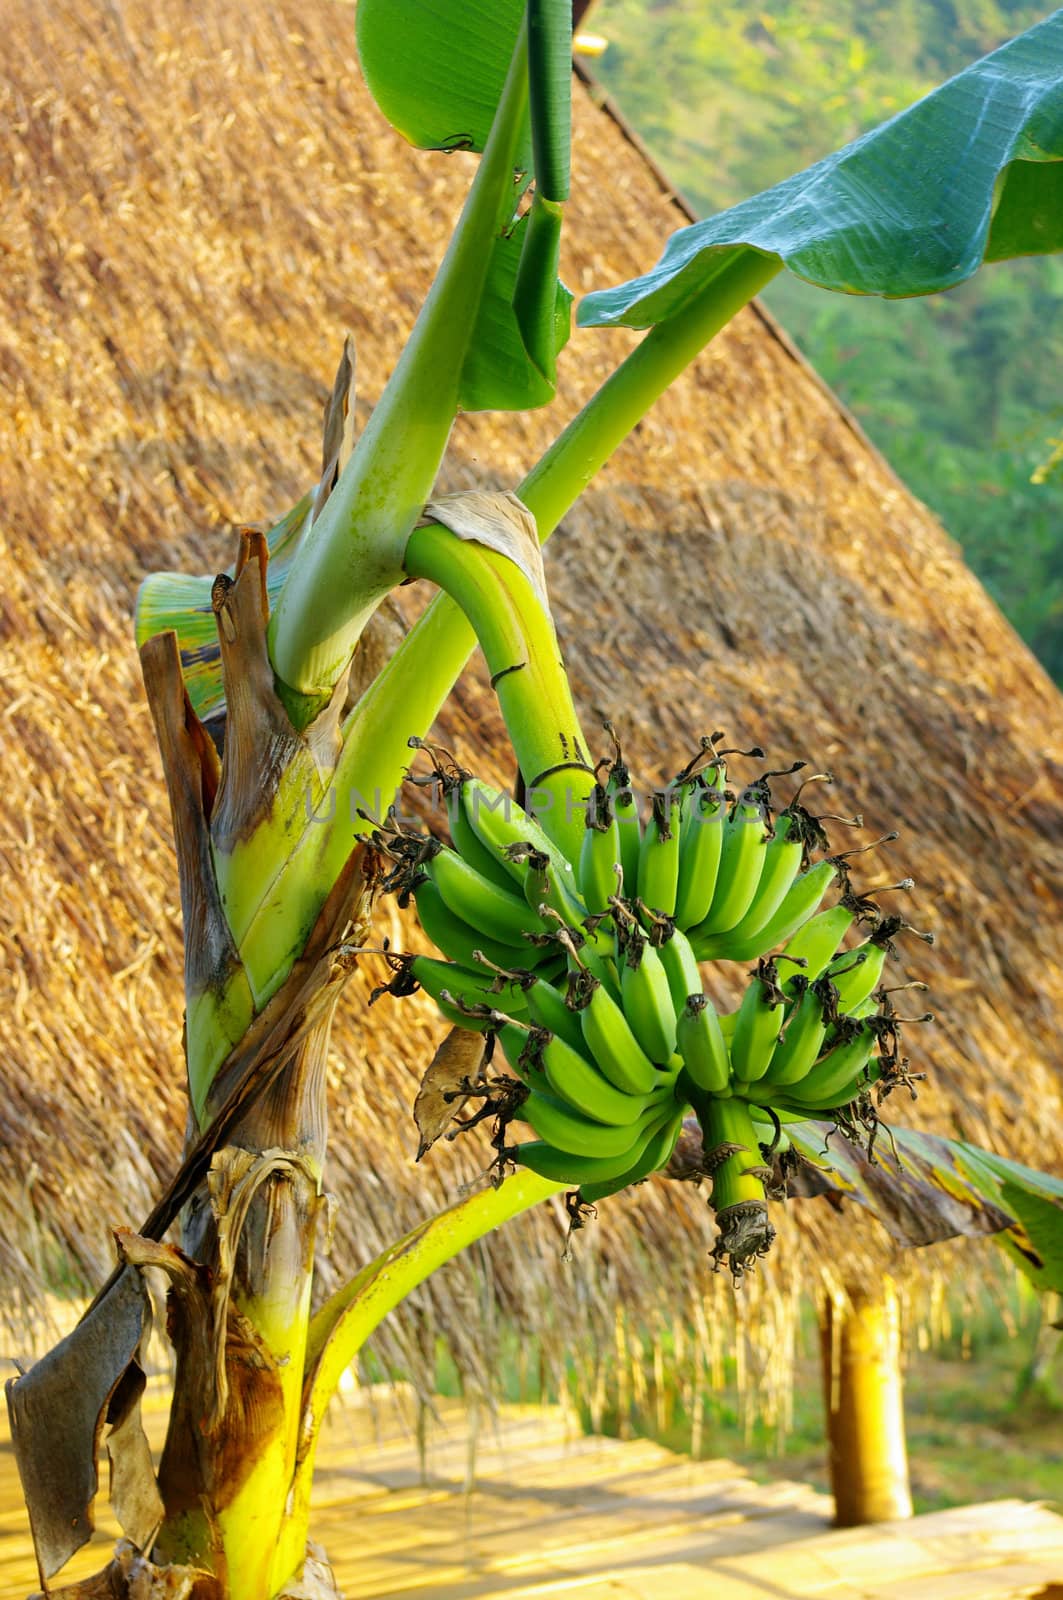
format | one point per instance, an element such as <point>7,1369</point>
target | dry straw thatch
<point>195,203</point>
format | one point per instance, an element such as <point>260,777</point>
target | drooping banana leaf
<point>969,174</point>
<point>924,1188</point>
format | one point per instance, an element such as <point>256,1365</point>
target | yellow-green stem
<point>520,646</point>
<point>352,555</point>
<point>422,671</point>
<point>729,1122</point>
<point>344,1323</point>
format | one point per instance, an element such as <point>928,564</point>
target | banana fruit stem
<point>727,1123</point>
<point>520,646</point>
<point>732,1154</point>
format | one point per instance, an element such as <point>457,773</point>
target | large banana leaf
<point>436,67</point>
<point>968,174</point>
<point>923,1188</point>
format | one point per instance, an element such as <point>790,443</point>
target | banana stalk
<point>340,1329</point>
<point>732,1154</point>
<point>516,635</point>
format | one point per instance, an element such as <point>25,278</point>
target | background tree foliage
<point>959,390</point>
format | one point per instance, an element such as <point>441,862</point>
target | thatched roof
<point>196,204</point>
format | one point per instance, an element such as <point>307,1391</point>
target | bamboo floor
<point>519,1507</point>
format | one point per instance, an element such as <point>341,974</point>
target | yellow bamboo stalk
<point>860,1334</point>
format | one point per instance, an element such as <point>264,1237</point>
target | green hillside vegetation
<point>960,391</point>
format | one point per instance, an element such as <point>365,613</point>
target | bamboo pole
<point>860,1333</point>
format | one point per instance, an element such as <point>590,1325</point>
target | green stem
<point>431,657</point>
<point>523,657</point>
<point>726,1122</point>
<point>579,453</point>
<point>344,1323</point>
<point>352,555</point>
<point>424,668</point>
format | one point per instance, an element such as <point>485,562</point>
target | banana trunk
<point>241,1283</point>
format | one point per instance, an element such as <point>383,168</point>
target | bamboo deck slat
<point>551,1513</point>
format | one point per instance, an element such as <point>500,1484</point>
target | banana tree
<point>574,928</point>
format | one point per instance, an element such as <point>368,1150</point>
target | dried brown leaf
<point>57,1412</point>
<point>317,1580</point>
<point>439,1099</point>
<point>498,520</point>
<point>338,431</point>
<point>131,1576</point>
<point>134,1491</point>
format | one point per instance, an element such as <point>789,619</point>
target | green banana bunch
<point>601,869</point>
<point>589,976</point>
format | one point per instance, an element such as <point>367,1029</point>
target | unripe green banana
<point>647,997</point>
<point>782,863</point>
<point>741,862</point>
<point>548,885</point>
<point>625,810</point>
<point>561,1167</point>
<point>815,944</point>
<point>500,824</point>
<point>837,1078</point>
<point>659,854</point>
<point>548,1008</point>
<point>479,902</point>
<point>681,967</point>
<point>600,868</point>
<point>488,863</point>
<point>700,848</point>
<point>568,1130</point>
<point>601,967</point>
<point>702,1045</point>
<point>577,1082</point>
<point>458,940</point>
<point>655,1154</point>
<point>759,1022</point>
<point>608,1035</point>
<point>860,974</point>
<point>797,1051</point>
<point>798,906</point>
<point>517,1047</point>
<point>467,987</point>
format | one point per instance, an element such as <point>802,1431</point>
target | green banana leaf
<point>499,373</point>
<point>968,174</point>
<point>180,601</point>
<point>436,67</point>
<point>924,1188</point>
<point>436,70</point>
